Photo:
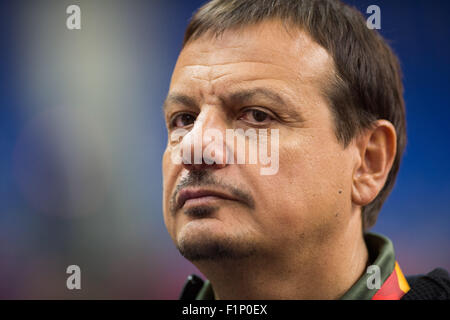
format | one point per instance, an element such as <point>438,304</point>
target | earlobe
<point>376,150</point>
<point>364,189</point>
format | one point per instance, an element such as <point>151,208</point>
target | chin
<point>198,242</point>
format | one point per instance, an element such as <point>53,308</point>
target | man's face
<point>258,77</point>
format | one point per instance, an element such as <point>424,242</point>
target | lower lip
<point>202,201</point>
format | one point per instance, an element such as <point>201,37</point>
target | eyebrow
<point>178,98</point>
<point>246,95</point>
<point>240,96</point>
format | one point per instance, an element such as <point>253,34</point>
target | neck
<point>324,271</point>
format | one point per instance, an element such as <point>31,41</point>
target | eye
<point>183,120</point>
<point>256,116</point>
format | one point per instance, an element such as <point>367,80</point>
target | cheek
<point>309,188</point>
<point>170,174</point>
<point>166,170</point>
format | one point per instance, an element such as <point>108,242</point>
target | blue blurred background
<point>82,136</point>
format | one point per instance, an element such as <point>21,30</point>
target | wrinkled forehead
<point>267,50</point>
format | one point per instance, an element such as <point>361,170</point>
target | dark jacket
<point>432,286</point>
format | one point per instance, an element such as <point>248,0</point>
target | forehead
<point>266,54</point>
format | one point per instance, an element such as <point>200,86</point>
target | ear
<point>377,147</point>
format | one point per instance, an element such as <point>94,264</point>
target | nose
<point>204,147</point>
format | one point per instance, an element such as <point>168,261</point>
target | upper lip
<point>186,194</point>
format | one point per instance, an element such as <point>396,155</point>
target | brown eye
<point>256,116</point>
<point>183,120</point>
<point>259,116</point>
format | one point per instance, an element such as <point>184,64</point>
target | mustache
<point>204,178</point>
